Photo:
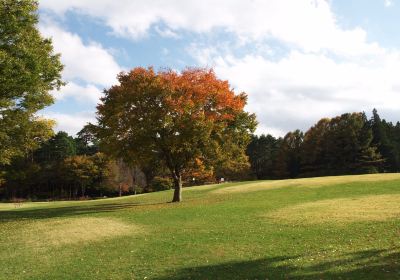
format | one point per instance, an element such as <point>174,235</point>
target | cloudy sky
<point>298,60</point>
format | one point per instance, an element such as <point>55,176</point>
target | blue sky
<point>298,60</point>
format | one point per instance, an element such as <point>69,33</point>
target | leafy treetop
<point>174,117</point>
<point>29,70</point>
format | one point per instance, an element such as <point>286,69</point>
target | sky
<point>298,60</point>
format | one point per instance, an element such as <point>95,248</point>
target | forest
<point>67,167</point>
<point>346,144</point>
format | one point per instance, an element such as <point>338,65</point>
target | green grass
<point>251,230</point>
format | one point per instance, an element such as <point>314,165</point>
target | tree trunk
<point>149,176</point>
<point>133,175</point>
<point>178,187</point>
<point>83,190</point>
<point>75,191</point>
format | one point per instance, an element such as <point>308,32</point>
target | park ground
<point>345,227</point>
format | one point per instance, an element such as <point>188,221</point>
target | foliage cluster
<point>65,168</point>
<point>29,71</point>
<point>347,144</point>
<point>161,184</point>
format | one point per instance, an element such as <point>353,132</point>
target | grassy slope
<point>214,234</point>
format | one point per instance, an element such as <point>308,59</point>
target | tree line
<point>63,167</point>
<point>347,144</point>
<point>66,167</point>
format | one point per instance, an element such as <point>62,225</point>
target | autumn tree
<point>174,117</point>
<point>198,172</point>
<point>79,171</point>
<point>120,177</point>
<point>313,150</point>
<point>29,71</point>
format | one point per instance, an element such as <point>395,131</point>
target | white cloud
<point>87,62</point>
<point>88,94</point>
<point>88,68</point>
<point>388,3</point>
<point>299,89</point>
<point>166,33</point>
<point>326,71</point>
<point>308,24</point>
<point>70,123</point>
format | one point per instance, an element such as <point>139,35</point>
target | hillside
<point>344,227</point>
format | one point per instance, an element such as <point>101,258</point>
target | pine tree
<point>381,131</point>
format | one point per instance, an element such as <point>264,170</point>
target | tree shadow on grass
<point>370,264</point>
<point>67,211</point>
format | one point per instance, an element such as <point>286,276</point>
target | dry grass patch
<point>202,187</point>
<point>344,210</point>
<point>257,186</point>
<point>309,182</point>
<point>75,231</point>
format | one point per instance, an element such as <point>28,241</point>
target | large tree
<point>29,70</point>
<point>175,117</point>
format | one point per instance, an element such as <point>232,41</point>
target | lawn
<point>345,227</point>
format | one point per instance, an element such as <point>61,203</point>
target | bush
<point>161,184</point>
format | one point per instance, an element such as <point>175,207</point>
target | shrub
<point>161,184</point>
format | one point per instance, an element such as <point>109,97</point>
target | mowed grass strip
<point>78,230</point>
<point>215,233</point>
<point>309,182</point>
<point>344,210</point>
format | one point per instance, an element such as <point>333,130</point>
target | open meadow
<point>345,227</point>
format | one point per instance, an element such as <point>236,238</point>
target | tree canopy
<point>29,71</point>
<point>174,117</point>
<point>346,144</point>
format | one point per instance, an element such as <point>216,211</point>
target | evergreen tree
<point>262,152</point>
<point>86,142</point>
<point>289,155</point>
<point>312,155</point>
<point>382,138</point>
<point>58,148</point>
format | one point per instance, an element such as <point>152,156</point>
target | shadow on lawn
<point>371,264</point>
<point>67,211</point>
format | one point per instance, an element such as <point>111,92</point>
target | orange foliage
<point>200,92</point>
<point>199,171</point>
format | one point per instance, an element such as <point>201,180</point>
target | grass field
<point>345,227</point>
